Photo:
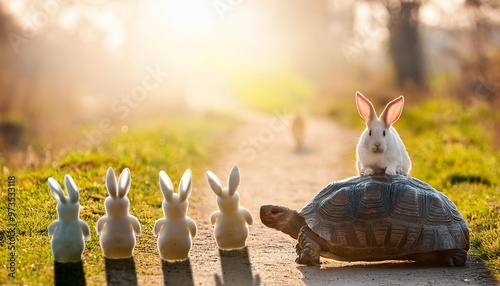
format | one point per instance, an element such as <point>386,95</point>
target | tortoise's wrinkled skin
<point>373,218</point>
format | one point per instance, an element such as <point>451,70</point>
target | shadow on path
<point>398,272</point>
<point>121,271</point>
<point>70,273</point>
<point>177,273</point>
<point>236,269</point>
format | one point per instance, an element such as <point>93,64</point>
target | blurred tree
<point>10,132</point>
<point>7,25</point>
<point>484,80</point>
<point>483,25</point>
<point>405,47</point>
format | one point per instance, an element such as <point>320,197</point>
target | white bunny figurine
<point>231,229</point>
<point>176,229</point>
<point>68,233</point>
<point>118,228</point>
<point>380,149</point>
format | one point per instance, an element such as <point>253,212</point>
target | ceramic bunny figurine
<point>176,229</point>
<point>118,228</point>
<point>68,233</point>
<point>231,229</point>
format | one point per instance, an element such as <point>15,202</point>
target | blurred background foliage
<point>65,64</point>
<point>84,84</point>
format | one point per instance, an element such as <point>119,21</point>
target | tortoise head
<point>282,219</point>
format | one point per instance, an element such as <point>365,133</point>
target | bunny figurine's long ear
<point>365,108</point>
<point>214,183</point>
<point>392,111</point>
<point>73,193</point>
<point>185,186</point>
<point>234,179</point>
<point>166,186</point>
<point>56,190</point>
<point>111,183</point>
<point>124,183</point>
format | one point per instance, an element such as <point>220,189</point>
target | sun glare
<point>437,13</point>
<point>14,6</point>
<point>106,20</point>
<point>187,17</point>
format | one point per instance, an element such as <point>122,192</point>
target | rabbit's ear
<point>124,183</point>
<point>56,190</point>
<point>111,183</point>
<point>234,179</point>
<point>73,193</point>
<point>185,186</point>
<point>392,111</point>
<point>365,108</point>
<point>166,186</point>
<point>214,183</point>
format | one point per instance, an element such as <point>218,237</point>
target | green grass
<point>274,90</point>
<point>173,146</point>
<point>450,146</point>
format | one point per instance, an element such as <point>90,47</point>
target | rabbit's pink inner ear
<point>73,193</point>
<point>392,111</point>
<point>111,183</point>
<point>365,107</point>
<point>124,183</point>
<point>234,179</point>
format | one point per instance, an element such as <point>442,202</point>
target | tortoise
<point>375,218</point>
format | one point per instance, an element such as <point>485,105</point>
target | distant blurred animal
<point>68,233</point>
<point>176,229</point>
<point>230,222</point>
<point>118,227</point>
<point>298,130</point>
<point>380,149</point>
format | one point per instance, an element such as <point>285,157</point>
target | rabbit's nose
<point>377,144</point>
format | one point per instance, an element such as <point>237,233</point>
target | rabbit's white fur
<point>176,230</point>
<point>118,228</point>
<point>231,221</point>
<point>380,149</point>
<point>68,233</point>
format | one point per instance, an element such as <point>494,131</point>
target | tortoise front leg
<point>307,248</point>
<point>456,257</point>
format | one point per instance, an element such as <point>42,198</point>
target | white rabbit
<point>176,229</point>
<point>68,233</point>
<point>231,229</point>
<point>118,228</point>
<point>380,149</point>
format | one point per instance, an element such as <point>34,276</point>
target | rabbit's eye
<point>383,133</point>
<point>370,133</point>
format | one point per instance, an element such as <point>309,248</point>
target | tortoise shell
<point>379,217</point>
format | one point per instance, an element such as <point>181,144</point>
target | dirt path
<point>272,172</point>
